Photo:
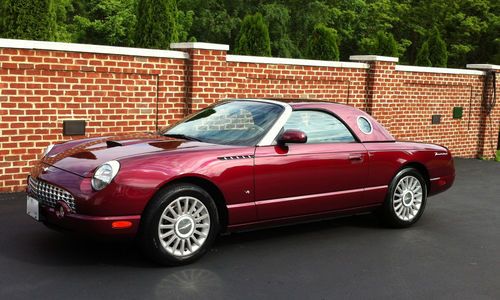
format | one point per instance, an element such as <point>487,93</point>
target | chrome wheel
<point>184,226</point>
<point>407,198</point>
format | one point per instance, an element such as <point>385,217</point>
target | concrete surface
<point>453,252</point>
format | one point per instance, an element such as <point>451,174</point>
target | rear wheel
<point>406,199</point>
<point>180,225</point>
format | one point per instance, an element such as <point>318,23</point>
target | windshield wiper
<point>182,136</point>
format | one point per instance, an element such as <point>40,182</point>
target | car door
<point>327,173</point>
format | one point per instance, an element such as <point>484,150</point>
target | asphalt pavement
<point>453,252</point>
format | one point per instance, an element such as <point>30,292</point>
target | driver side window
<point>320,127</point>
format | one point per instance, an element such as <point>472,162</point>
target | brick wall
<point>135,90</point>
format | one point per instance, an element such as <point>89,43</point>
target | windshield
<point>242,123</point>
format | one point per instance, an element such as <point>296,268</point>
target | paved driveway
<point>453,252</point>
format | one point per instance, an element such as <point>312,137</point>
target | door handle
<point>355,157</point>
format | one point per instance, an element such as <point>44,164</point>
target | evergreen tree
<point>156,23</point>
<point>323,44</point>
<point>28,19</point>
<point>253,38</point>
<point>277,19</point>
<point>381,44</point>
<point>387,44</point>
<point>423,56</point>
<point>438,54</point>
<point>213,21</point>
<point>64,28</point>
<point>108,22</point>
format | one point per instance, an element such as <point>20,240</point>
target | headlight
<point>105,174</point>
<point>47,150</point>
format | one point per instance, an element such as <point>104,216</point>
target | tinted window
<point>319,127</point>
<point>231,123</point>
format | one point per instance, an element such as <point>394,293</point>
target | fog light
<point>121,224</point>
<point>62,209</point>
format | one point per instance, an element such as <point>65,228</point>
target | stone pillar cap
<point>373,58</point>
<point>199,45</point>
<point>483,67</point>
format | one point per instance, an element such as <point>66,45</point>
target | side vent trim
<point>236,157</point>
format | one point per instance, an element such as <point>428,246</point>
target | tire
<point>405,200</point>
<point>179,225</point>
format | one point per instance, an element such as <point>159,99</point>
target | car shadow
<point>368,221</point>
<point>43,246</point>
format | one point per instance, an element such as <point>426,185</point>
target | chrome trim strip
<point>308,196</point>
<point>320,195</point>
<point>434,179</point>
<point>373,188</point>
<point>238,205</point>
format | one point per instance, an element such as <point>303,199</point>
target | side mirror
<point>292,136</point>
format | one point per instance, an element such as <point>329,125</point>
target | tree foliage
<point>109,22</point>
<point>322,43</point>
<point>382,44</point>
<point>156,23</point>
<point>470,29</point>
<point>423,56</point>
<point>438,54</point>
<point>254,37</point>
<point>213,21</point>
<point>28,19</point>
<point>277,19</point>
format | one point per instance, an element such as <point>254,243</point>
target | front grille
<point>49,195</point>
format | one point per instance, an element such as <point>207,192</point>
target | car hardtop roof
<point>347,113</point>
<point>350,115</point>
<point>297,103</point>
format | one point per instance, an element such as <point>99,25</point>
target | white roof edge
<point>265,100</point>
<point>89,48</point>
<point>199,45</point>
<point>294,61</point>
<point>483,67</point>
<point>373,58</point>
<point>437,70</point>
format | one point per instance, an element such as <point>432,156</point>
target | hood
<point>82,157</point>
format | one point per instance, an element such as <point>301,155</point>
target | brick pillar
<point>379,85</point>
<point>206,74</point>
<point>489,119</point>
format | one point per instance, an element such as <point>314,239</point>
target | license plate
<point>32,208</point>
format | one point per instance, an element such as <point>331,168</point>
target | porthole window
<point>364,125</point>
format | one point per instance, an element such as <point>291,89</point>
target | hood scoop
<point>112,144</point>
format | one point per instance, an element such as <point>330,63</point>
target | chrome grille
<point>49,195</point>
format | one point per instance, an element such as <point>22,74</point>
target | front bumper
<point>114,211</point>
<point>58,209</point>
<point>91,225</point>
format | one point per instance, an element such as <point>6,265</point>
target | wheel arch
<point>208,186</point>
<point>421,168</point>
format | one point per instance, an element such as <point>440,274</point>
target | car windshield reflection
<point>242,123</point>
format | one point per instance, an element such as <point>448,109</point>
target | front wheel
<point>179,225</point>
<point>406,199</point>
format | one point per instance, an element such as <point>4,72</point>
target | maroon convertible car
<point>236,165</point>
